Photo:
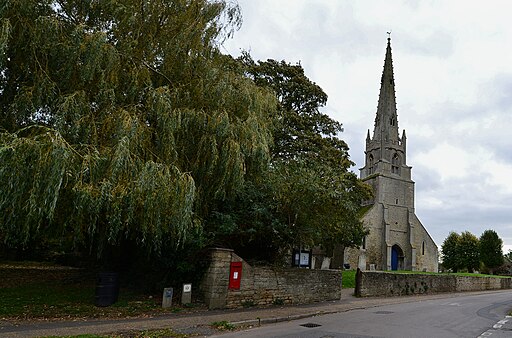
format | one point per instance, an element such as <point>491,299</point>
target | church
<point>397,240</point>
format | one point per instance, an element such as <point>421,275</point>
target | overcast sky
<point>453,73</point>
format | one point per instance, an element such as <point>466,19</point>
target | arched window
<point>395,164</point>
<point>370,164</point>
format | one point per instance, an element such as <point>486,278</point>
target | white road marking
<point>497,326</point>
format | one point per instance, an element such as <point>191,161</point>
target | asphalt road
<point>482,315</point>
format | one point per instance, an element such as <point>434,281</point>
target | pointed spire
<point>386,120</point>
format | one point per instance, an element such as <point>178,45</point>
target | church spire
<point>386,121</point>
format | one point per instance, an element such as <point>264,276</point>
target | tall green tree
<point>120,121</point>
<point>318,198</point>
<point>469,251</point>
<point>491,252</point>
<point>450,252</point>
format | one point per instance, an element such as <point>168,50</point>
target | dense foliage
<point>120,120</point>
<point>491,252</point>
<point>449,250</point>
<point>469,251</point>
<point>311,197</point>
<point>466,251</point>
<point>124,129</point>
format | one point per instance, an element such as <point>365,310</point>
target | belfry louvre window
<point>370,164</point>
<point>395,164</point>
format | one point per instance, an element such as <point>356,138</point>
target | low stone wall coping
<point>388,284</point>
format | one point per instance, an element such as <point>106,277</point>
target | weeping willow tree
<point>119,119</point>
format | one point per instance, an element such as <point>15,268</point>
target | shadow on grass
<point>28,292</point>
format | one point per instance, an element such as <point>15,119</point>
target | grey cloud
<point>438,43</point>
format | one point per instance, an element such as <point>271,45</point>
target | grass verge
<point>161,333</point>
<point>49,292</point>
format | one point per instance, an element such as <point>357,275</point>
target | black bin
<point>107,289</point>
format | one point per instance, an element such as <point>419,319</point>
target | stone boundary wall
<point>386,284</point>
<point>265,285</point>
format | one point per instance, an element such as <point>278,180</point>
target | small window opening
<point>423,248</point>
<point>396,201</point>
<point>395,164</point>
<point>364,243</point>
<point>370,164</point>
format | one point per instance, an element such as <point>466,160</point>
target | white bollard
<point>186,295</point>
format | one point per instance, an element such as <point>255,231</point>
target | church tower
<point>397,240</point>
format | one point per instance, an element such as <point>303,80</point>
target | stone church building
<point>397,240</point>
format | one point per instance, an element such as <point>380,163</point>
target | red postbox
<point>235,275</point>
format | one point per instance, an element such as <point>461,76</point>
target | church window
<point>423,248</point>
<point>370,164</point>
<point>364,243</point>
<point>395,164</point>
<point>396,201</point>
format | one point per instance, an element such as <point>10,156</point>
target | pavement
<point>199,323</point>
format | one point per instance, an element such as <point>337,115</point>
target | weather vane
<point>389,34</point>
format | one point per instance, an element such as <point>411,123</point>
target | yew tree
<point>120,120</point>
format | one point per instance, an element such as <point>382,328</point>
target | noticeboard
<point>301,258</point>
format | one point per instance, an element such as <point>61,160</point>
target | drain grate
<point>384,312</point>
<point>311,325</point>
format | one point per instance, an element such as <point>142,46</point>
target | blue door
<point>394,258</point>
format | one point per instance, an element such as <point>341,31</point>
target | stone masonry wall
<point>266,285</point>
<point>216,280</point>
<point>378,283</point>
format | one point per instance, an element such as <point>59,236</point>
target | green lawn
<point>52,292</point>
<point>348,279</point>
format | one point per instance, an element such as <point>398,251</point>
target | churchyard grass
<point>348,279</point>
